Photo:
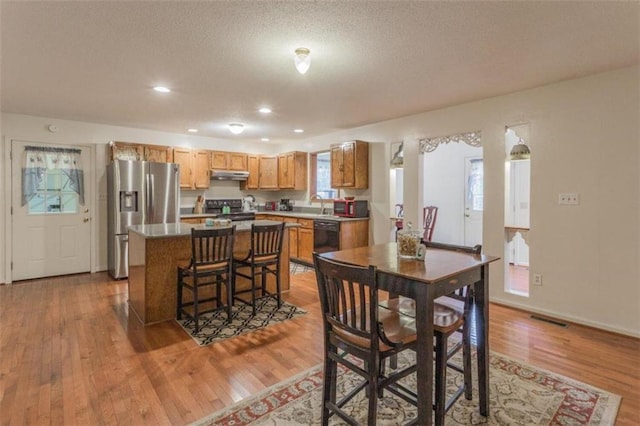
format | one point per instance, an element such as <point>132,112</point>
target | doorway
<point>454,182</point>
<point>50,220</point>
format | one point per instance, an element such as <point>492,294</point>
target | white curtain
<point>36,160</point>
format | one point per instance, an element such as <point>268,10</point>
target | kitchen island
<point>155,251</point>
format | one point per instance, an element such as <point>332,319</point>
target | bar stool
<point>262,260</point>
<point>210,265</point>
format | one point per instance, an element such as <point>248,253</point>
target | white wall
<point>585,136</point>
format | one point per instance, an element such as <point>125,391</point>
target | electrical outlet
<point>569,198</point>
<point>537,279</point>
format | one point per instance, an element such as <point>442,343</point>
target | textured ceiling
<point>371,61</point>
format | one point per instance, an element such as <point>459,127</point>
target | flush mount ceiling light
<point>192,130</point>
<point>236,128</point>
<point>303,59</point>
<point>162,89</point>
<point>265,139</point>
<point>265,110</point>
<point>298,131</point>
<point>520,151</point>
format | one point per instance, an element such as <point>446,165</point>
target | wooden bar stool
<point>262,260</point>
<point>210,265</point>
<point>354,324</point>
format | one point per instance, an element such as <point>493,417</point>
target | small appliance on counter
<point>351,208</point>
<point>249,203</point>
<point>270,205</point>
<point>285,205</point>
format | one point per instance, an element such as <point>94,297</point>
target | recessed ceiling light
<point>236,128</point>
<point>265,110</point>
<point>192,130</point>
<point>265,139</point>
<point>298,130</point>
<point>162,89</point>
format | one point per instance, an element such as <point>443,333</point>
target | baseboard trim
<point>573,319</point>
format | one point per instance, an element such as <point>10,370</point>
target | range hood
<point>228,175</point>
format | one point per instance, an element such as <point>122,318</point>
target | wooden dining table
<point>440,273</point>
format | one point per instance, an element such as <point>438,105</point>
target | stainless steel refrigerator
<point>138,192</point>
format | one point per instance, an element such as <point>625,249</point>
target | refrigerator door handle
<point>150,188</point>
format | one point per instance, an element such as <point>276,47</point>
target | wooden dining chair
<point>210,265</point>
<point>429,215</point>
<point>262,260</point>
<point>356,326</point>
<point>452,314</point>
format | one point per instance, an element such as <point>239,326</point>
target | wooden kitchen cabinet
<point>253,166</point>
<point>223,160</point>
<point>305,240</point>
<point>292,170</point>
<point>350,165</point>
<point>293,237</point>
<point>354,234</point>
<point>127,151</point>
<point>194,168</point>
<point>158,154</point>
<point>268,176</point>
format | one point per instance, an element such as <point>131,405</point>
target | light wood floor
<point>70,354</point>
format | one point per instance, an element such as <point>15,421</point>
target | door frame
<point>90,199</point>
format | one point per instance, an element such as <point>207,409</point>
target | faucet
<point>322,210</point>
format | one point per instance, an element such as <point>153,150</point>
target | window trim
<point>313,175</point>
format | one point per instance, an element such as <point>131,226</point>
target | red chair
<point>429,215</point>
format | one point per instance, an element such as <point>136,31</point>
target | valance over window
<point>36,160</point>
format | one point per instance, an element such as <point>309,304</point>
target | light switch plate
<point>569,198</point>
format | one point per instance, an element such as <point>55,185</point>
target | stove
<point>235,208</point>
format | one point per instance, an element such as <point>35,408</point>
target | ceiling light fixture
<point>303,59</point>
<point>298,130</point>
<point>520,151</point>
<point>192,130</point>
<point>236,128</point>
<point>265,110</point>
<point>162,89</point>
<point>265,139</point>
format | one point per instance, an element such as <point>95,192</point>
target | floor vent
<point>550,321</point>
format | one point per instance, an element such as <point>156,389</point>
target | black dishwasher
<point>326,235</point>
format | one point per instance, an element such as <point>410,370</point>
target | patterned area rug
<point>520,395</point>
<point>213,326</point>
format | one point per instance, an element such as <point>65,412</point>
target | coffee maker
<point>285,205</point>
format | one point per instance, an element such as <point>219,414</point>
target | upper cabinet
<point>292,170</point>
<point>158,154</point>
<point>194,167</point>
<point>268,175</point>
<point>350,165</point>
<point>127,151</point>
<point>253,166</point>
<point>141,152</point>
<point>222,160</point>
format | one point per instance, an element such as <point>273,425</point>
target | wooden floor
<point>70,354</point>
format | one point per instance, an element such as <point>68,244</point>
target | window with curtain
<point>52,180</point>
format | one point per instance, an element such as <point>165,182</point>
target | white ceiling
<point>371,61</point>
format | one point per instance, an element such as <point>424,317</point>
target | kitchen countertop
<point>166,230</point>
<point>312,216</point>
<point>299,215</point>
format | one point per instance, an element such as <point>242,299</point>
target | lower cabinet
<point>305,240</point>
<point>293,237</point>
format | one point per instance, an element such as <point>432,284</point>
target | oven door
<point>326,236</point>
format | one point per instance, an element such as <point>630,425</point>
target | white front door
<point>473,200</point>
<point>51,233</point>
